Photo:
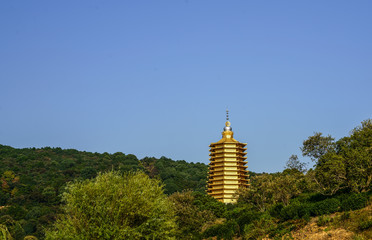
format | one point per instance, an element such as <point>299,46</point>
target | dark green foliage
<point>304,207</point>
<point>354,201</point>
<point>326,206</point>
<point>246,217</point>
<point>275,210</point>
<point>17,212</point>
<point>206,202</point>
<point>177,175</point>
<point>225,230</point>
<point>88,173</point>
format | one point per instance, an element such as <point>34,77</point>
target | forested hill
<point>32,179</point>
<point>31,172</point>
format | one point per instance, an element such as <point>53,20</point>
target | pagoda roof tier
<point>218,168</point>
<point>226,146</point>
<point>214,175</point>
<point>222,188</point>
<point>227,152</point>
<point>226,159</point>
<point>232,159</point>
<point>222,195</point>
<point>212,170</point>
<point>226,174</point>
<point>228,140</point>
<point>231,174</point>
<point>213,183</point>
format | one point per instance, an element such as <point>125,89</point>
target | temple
<point>227,170</point>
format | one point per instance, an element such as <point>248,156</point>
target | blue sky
<point>154,78</point>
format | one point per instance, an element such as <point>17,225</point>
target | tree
<point>287,185</point>
<point>190,218</point>
<point>260,192</point>
<point>115,206</point>
<point>294,164</point>
<point>316,146</point>
<point>330,176</point>
<point>356,151</point>
<point>346,163</point>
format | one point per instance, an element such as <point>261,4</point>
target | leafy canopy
<point>115,206</point>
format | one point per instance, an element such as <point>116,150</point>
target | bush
<point>322,221</point>
<point>364,222</point>
<point>345,216</point>
<point>246,217</point>
<point>260,228</point>
<point>295,211</point>
<point>327,206</point>
<point>275,211</point>
<point>224,231</point>
<point>354,202</point>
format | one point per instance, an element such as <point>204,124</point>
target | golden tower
<point>227,170</point>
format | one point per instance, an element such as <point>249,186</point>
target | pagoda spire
<point>227,127</point>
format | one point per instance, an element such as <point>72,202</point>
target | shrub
<point>295,211</point>
<point>354,202</point>
<point>323,220</point>
<point>246,217</point>
<point>224,231</point>
<point>364,222</point>
<point>345,216</point>
<point>275,210</point>
<point>326,206</point>
<point>260,228</point>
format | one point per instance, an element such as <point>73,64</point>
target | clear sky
<point>154,78</point>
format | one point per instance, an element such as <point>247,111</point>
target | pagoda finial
<point>227,124</point>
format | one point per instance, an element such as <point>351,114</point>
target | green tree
<point>346,163</point>
<point>115,206</point>
<point>260,192</point>
<point>330,176</point>
<point>316,146</point>
<point>295,165</point>
<point>286,186</point>
<point>356,150</point>
<point>190,218</point>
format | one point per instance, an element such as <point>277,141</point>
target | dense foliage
<point>33,181</point>
<point>115,206</point>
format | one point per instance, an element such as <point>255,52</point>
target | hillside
<point>32,180</point>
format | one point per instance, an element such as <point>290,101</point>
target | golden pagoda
<point>227,170</point>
